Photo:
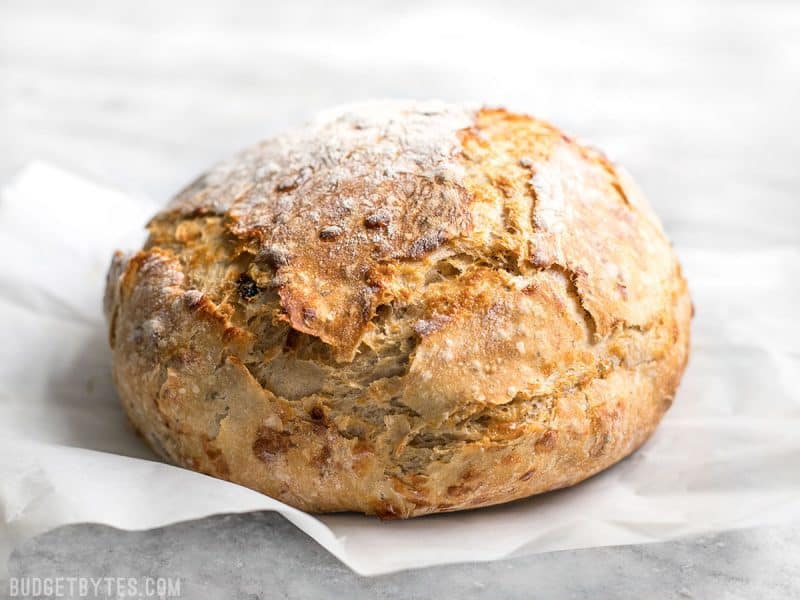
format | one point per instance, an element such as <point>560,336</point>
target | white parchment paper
<point>726,456</point>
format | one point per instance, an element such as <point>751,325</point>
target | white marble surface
<point>698,99</point>
<point>260,555</point>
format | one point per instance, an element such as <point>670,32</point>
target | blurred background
<point>697,98</point>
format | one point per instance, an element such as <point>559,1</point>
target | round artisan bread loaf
<point>402,308</point>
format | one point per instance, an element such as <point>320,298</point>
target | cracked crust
<point>402,309</point>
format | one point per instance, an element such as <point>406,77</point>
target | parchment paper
<point>726,456</point>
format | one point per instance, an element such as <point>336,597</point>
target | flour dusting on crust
<point>374,141</point>
<point>374,182</point>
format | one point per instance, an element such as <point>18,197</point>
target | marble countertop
<point>261,555</point>
<point>697,99</point>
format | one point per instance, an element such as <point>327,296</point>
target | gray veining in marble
<point>260,555</point>
<point>698,99</point>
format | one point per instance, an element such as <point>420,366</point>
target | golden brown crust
<point>402,309</point>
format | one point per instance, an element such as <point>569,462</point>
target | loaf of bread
<point>400,309</point>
